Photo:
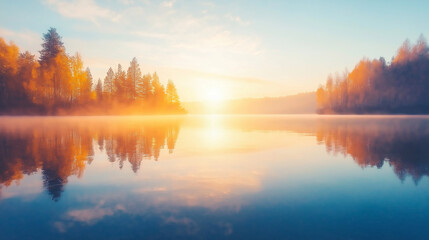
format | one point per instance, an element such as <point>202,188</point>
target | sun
<point>214,99</point>
<point>214,95</point>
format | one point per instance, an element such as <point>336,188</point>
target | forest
<point>58,84</point>
<point>374,86</point>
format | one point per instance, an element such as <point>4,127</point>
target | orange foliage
<point>374,86</point>
<point>57,84</point>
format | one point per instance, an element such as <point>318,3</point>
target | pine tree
<point>99,90</point>
<point>158,91</point>
<point>108,83</point>
<point>144,87</point>
<point>86,86</point>
<point>55,70</point>
<point>133,78</point>
<point>119,84</point>
<point>51,46</point>
<point>172,96</point>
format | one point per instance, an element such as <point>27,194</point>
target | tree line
<point>374,86</point>
<point>57,83</point>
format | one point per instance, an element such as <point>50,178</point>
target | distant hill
<point>303,103</point>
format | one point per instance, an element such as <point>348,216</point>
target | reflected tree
<point>62,148</point>
<point>401,143</point>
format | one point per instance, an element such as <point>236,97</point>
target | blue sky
<point>230,49</point>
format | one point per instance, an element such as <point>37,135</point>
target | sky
<point>221,49</point>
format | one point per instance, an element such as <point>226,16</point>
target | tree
<point>119,84</point>
<point>133,78</point>
<point>108,83</point>
<point>171,94</point>
<point>26,80</point>
<point>78,76</point>
<point>99,91</point>
<point>144,87</point>
<point>55,70</point>
<point>157,91</point>
<point>86,86</point>
<point>8,66</point>
<point>51,46</point>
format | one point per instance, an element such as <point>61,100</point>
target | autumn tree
<point>26,81</point>
<point>158,91</point>
<point>55,70</point>
<point>144,87</point>
<point>171,94</point>
<point>99,91</point>
<point>8,67</point>
<point>78,76</point>
<point>108,87</point>
<point>119,84</point>
<point>86,86</point>
<point>133,78</point>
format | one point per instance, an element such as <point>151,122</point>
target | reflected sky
<point>211,177</point>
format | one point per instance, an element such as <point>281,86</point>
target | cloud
<point>26,40</point>
<point>60,226</point>
<point>155,35</point>
<point>26,188</point>
<point>86,10</point>
<point>150,190</point>
<point>190,225</point>
<point>126,2</point>
<point>94,214</point>
<point>89,215</point>
<point>209,188</point>
<point>237,19</point>
<point>22,35</point>
<point>168,4</point>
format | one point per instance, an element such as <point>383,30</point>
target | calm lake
<point>214,177</point>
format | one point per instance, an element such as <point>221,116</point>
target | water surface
<point>214,177</point>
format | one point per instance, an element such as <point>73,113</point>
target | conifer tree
<point>133,79</point>
<point>158,91</point>
<point>108,87</point>
<point>99,91</point>
<point>144,87</point>
<point>119,84</point>
<point>171,94</point>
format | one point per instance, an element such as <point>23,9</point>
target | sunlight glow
<point>213,95</point>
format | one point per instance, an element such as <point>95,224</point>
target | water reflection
<point>61,147</point>
<point>226,175</point>
<point>372,141</point>
<point>401,142</point>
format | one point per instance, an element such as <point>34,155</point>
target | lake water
<point>214,177</point>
